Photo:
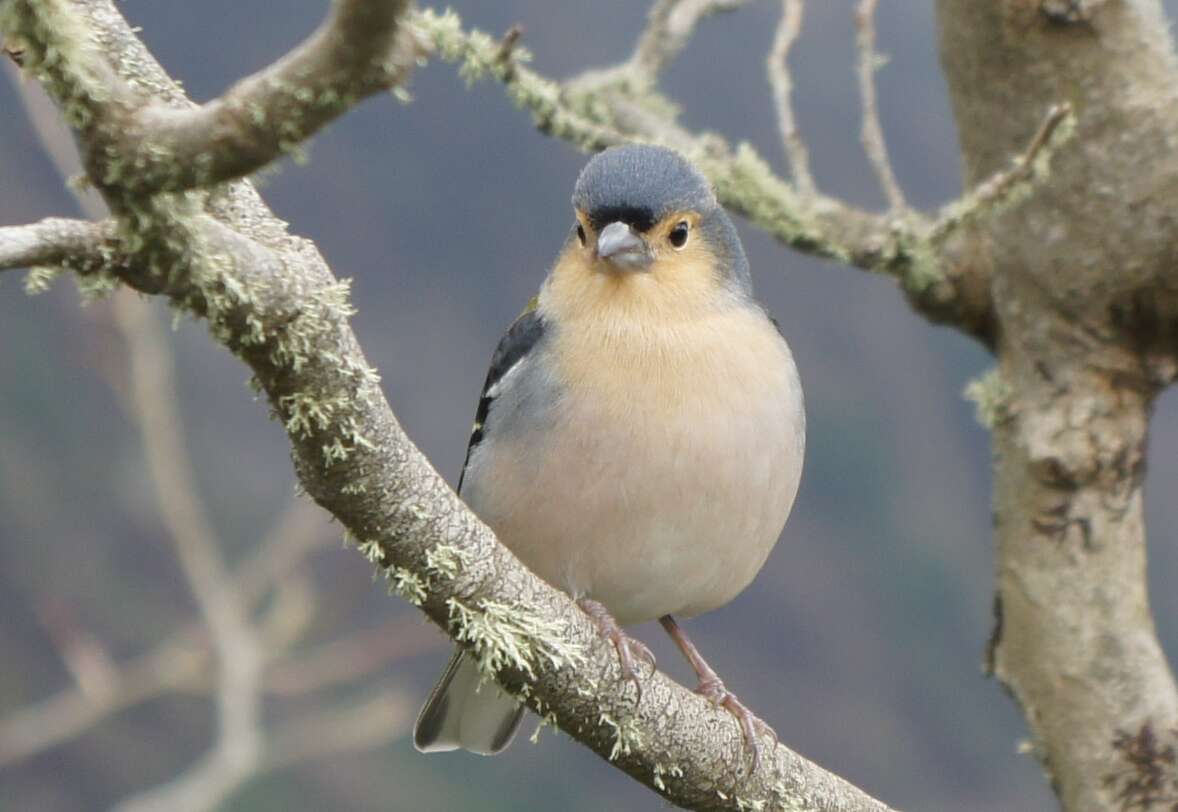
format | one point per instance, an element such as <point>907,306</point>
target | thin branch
<point>239,651</point>
<point>299,531</point>
<point>871,133</point>
<point>999,189</point>
<point>781,83</point>
<point>596,110</point>
<point>67,715</point>
<point>669,27</point>
<point>381,718</point>
<point>350,658</point>
<point>274,302</point>
<point>83,654</point>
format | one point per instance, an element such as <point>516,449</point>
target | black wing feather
<point>521,337</point>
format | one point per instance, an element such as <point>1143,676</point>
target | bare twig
<point>381,718</point>
<point>1000,188</point>
<point>872,132</point>
<point>272,300</point>
<point>239,651</point>
<point>668,30</point>
<point>350,658</point>
<point>300,530</point>
<point>173,666</point>
<point>777,67</point>
<point>596,110</point>
<point>84,656</point>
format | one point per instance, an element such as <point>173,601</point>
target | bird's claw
<point>624,645</point>
<point>713,689</point>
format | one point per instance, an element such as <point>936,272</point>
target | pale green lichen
<point>627,735</point>
<point>335,451</point>
<point>445,560</point>
<point>348,441</point>
<point>546,720</point>
<point>93,287</point>
<point>660,770</point>
<point>39,279</point>
<point>515,637</point>
<point>407,584</point>
<point>57,51</point>
<point>478,56</point>
<point>306,413</point>
<point>921,267</point>
<point>745,183</point>
<point>990,394</point>
<point>371,550</point>
<point>320,314</point>
<point>1007,190</point>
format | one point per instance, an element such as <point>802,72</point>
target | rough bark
<point>269,297</point>
<point>1075,291</point>
<point>1082,285</point>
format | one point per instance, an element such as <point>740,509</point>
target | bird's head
<point>648,226</point>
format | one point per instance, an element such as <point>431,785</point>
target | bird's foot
<point>712,688</point>
<point>624,645</point>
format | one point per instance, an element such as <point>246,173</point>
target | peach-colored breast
<point>666,467</point>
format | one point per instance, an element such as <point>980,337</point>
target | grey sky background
<point>861,641</point>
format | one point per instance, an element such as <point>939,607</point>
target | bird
<point>640,434</point>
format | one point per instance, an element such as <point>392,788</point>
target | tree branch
<point>777,68</point>
<point>871,133</point>
<point>670,25</point>
<point>56,242</point>
<point>360,49</point>
<point>272,300</point>
<point>238,648</point>
<point>944,280</point>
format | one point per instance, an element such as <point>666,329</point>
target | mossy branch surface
<point>167,147</point>
<point>612,105</point>
<point>219,254</point>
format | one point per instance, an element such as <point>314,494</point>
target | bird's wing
<point>520,339</point>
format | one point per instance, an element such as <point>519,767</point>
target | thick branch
<point>360,49</point>
<point>1075,643</point>
<point>272,300</point>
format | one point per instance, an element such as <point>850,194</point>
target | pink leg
<point>712,687</point>
<point>623,644</point>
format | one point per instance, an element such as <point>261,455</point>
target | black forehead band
<point>639,218</point>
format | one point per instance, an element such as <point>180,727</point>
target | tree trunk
<point>1084,311</point>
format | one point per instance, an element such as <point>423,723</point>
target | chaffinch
<point>640,435</point>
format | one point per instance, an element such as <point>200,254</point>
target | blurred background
<point>861,641</point>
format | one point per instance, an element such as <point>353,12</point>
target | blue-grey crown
<point>640,184</point>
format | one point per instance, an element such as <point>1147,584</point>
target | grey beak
<point>625,249</point>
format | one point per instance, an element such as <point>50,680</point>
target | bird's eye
<point>581,233</point>
<point>678,234</point>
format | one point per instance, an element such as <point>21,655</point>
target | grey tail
<point>465,712</point>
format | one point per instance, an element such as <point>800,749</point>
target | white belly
<point>654,494</point>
